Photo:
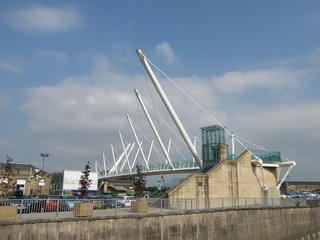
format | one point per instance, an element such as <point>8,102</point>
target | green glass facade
<point>212,136</point>
<point>266,156</point>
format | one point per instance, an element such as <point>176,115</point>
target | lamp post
<point>162,178</point>
<point>43,155</point>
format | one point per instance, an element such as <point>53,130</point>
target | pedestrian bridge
<point>155,169</point>
<point>160,160</point>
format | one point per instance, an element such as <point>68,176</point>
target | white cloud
<point>240,82</point>
<point>165,51</point>
<point>80,116</point>
<point>10,67</point>
<point>82,108</point>
<point>44,19</point>
<point>60,57</point>
<point>295,119</point>
<point>84,113</point>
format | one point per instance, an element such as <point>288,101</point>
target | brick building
<point>300,186</point>
<point>30,179</point>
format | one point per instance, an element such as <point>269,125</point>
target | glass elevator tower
<point>214,148</point>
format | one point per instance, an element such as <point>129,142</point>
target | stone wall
<point>32,180</point>
<point>240,224</point>
<point>230,179</point>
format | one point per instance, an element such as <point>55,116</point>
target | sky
<point>68,70</point>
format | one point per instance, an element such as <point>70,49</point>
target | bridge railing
<point>153,168</point>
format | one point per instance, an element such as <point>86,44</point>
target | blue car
<point>68,202</point>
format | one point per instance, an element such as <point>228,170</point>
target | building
<point>300,186</point>
<point>253,174</point>
<point>118,186</point>
<point>30,179</point>
<point>237,178</point>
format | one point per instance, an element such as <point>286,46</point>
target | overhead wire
<point>192,99</point>
<point>197,104</point>
<point>153,103</point>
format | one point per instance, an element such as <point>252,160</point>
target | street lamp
<point>43,155</point>
<point>162,178</point>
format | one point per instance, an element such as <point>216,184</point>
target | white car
<point>126,200</point>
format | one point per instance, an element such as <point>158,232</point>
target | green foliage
<point>57,181</point>
<point>7,182</point>
<point>84,181</point>
<point>139,182</point>
<point>57,178</point>
<point>152,189</point>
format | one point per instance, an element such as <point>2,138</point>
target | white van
<point>126,200</point>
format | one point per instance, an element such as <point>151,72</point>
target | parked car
<point>46,203</point>
<point>97,201</point>
<point>110,202</point>
<point>283,196</point>
<point>126,200</point>
<point>21,201</point>
<point>68,202</point>
<point>36,196</point>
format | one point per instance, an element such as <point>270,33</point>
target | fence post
<point>20,213</point>
<point>57,210</point>
<point>161,205</point>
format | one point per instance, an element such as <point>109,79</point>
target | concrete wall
<point>241,224</point>
<point>230,178</point>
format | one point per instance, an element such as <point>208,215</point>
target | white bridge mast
<point>169,107</point>
<point>165,152</point>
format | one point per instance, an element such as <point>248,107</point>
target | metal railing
<point>153,168</point>
<point>64,208</point>
<point>221,203</point>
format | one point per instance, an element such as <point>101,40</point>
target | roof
<point>21,166</point>
<point>212,127</point>
<point>302,183</point>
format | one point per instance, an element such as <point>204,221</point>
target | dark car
<point>21,201</point>
<point>36,196</point>
<point>46,203</point>
<point>97,201</point>
<point>110,202</point>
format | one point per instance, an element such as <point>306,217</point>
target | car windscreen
<point>54,197</point>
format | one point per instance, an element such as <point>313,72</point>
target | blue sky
<point>68,70</point>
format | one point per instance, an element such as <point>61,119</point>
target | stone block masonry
<point>241,224</point>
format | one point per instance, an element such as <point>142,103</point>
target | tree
<point>84,181</point>
<point>57,180</point>
<point>7,183</point>
<point>139,182</point>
